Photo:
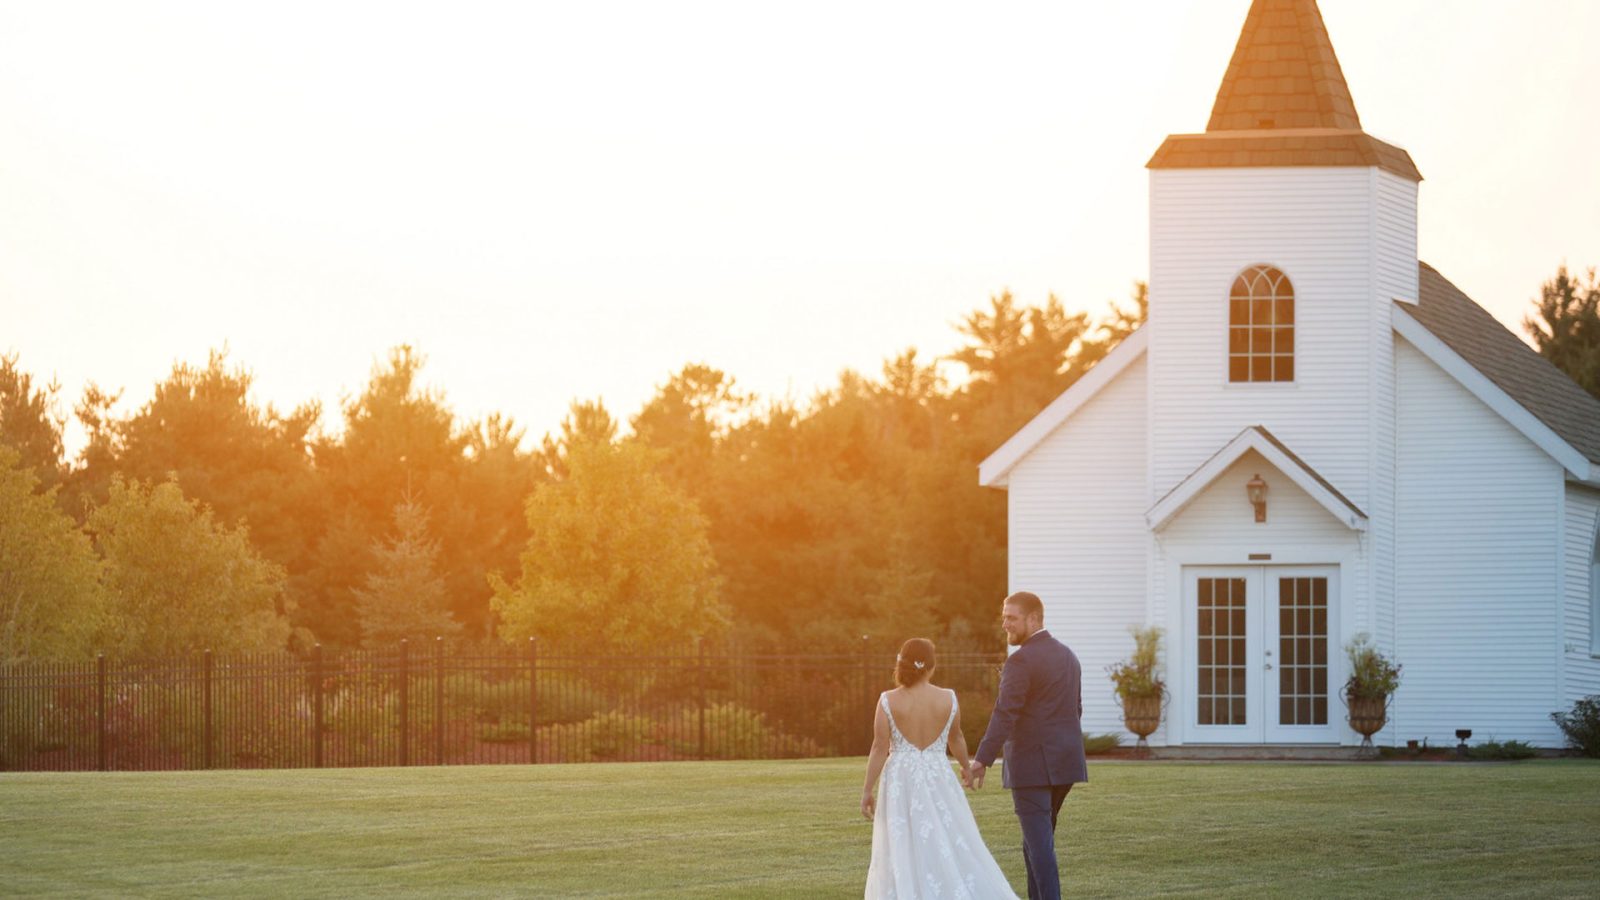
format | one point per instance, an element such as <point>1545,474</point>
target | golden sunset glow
<point>560,449</point>
<point>573,200</point>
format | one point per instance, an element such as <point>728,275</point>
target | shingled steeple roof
<point>1283,102</point>
<point>1284,73</point>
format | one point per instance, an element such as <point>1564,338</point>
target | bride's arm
<point>958,747</point>
<point>875,761</point>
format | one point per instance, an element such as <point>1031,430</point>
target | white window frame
<point>1594,593</point>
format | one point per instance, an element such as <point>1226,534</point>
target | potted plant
<point>1372,682</point>
<point>1139,687</point>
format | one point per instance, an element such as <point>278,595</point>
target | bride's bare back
<point>924,839</point>
<point>921,711</point>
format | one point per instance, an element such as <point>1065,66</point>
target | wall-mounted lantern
<point>1257,491</point>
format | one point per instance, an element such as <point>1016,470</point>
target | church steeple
<point>1284,73</point>
<point>1283,102</point>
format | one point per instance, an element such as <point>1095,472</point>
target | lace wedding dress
<point>925,843</point>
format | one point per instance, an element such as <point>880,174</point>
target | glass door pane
<point>1300,672</point>
<point>1221,632</point>
<point>1302,651</point>
<point>1222,684</point>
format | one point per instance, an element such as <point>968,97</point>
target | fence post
<point>700,681</point>
<point>438,701</point>
<point>533,700</point>
<point>405,702</point>
<point>316,706</point>
<point>205,690</point>
<point>100,711</point>
<point>866,676</point>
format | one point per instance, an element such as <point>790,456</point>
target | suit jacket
<point>1038,717</point>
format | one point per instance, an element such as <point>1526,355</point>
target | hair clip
<point>920,664</point>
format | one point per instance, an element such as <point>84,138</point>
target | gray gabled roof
<point>1278,455</point>
<point>1502,357</point>
<point>1310,471</point>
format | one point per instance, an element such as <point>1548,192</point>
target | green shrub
<point>1492,749</point>
<point>1581,725</point>
<point>563,699</point>
<point>262,744</point>
<point>468,694</point>
<point>58,721</point>
<point>504,733</point>
<point>734,732</point>
<point>608,736</point>
<point>361,714</point>
<point>1097,744</point>
<point>253,717</point>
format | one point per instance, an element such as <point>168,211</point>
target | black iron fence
<point>438,705</point>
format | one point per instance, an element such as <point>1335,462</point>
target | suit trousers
<point>1037,809</point>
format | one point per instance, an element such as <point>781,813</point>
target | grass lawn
<point>791,829</point>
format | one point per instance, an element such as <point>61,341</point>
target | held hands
<point>975,775</point>
<point>869,804</point>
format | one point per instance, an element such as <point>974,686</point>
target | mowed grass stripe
<point>789,829</point>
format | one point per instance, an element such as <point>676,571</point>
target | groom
<point>1038,720</point>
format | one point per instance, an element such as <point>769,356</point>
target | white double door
<point>1259,663</point>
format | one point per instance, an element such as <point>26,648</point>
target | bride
<point>925,842</point>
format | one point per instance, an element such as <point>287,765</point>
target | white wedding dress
<point>925,843</point>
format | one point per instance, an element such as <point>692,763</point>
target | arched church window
<point>1261,326</point>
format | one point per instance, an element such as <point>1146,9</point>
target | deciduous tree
<point>246,462</point>
<point>618,558</point>
<point>50,595</point>
<point>178,581</point>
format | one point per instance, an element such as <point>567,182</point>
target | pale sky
<point>574,199</point>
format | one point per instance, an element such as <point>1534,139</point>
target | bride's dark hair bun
<point>914,662</point>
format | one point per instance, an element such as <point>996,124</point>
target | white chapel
<point>1314,435</point>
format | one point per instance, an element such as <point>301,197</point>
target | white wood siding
<point>1326,229</point>
<point>1582,675</point>
<point>1316,226</point>
<point>1476,567</point>
<point>1078,537</point>
<point>1395,217</point>
<point>1395,270</point>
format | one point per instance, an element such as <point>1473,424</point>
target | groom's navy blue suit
<point>1038,719</point>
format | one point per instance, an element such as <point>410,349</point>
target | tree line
<point>207,519</point>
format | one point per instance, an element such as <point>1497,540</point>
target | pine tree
<point>1565,327</point>
<point>30,422</point>
<point>404,597</point>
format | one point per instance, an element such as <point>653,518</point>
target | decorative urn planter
<point>1373,680</point>
<point>1367,717</point>
<point>1142,716</point>
<point>1138,687</point>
